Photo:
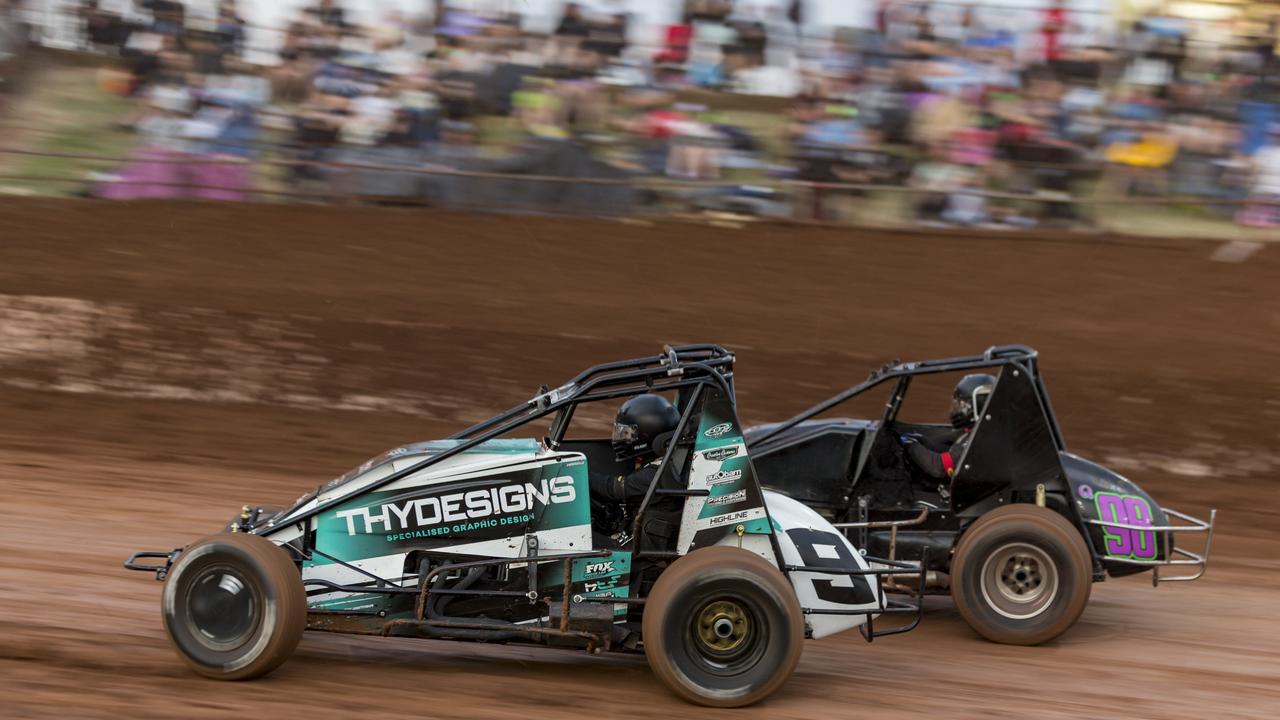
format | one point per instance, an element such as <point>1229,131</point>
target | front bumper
<point>250,518</point>
<point>161,570</point>
<point>1174,556</point>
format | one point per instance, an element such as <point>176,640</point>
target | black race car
<point>1017,528</point>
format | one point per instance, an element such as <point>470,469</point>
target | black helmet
<point>639,421</point>
<point>969,398</point>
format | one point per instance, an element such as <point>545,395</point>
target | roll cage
<point>997,356</point>
<point>687,369</point>
<point>1025,433</point>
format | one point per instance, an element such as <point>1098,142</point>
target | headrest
<point>660,442</point>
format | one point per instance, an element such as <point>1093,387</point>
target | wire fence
<point>342,182</point>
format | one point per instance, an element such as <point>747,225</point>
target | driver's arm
<point>624,489</point>
<point>937,465</point>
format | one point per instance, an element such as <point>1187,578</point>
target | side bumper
<point>879,567</point>
<point>1191,564</point>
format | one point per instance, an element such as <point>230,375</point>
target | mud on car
<point>488,537</point>
<point>1019,530</point>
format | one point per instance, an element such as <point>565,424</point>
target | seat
<point>678,457</point>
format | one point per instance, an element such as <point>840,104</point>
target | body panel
<point>480,505</point>
<point>1101,494</point>
<point>806,538</point>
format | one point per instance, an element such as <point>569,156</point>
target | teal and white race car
<point>490,536</point>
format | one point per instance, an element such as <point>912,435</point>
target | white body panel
<point>467,466</point>
<point>795,523</point>
<point>459,467</point>
<point>804,537</point>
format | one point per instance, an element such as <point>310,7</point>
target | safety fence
<point>214,177</point>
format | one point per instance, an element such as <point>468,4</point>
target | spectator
<point>230,29</point>
<point>328,14</point>
<point>1265,186</point>
<point>607,37</point>
<point>13,40</point>
<point>1055,24</point>
<point>568,35</point>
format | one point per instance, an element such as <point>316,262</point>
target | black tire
<point>722,627</point>
<point>234,606</point>
<point>1021,575</point>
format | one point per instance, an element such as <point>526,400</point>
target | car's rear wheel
<point>234,606</point>
<point>1021,575</point>
<point>722,627</point>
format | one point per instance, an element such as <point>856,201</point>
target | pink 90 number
<point>1127,510</point>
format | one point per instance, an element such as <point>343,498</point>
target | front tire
<point>1021,575</point>
<point>234,606</point>
<point>722,627</point>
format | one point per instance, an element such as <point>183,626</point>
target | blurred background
<point>246,245</point>
<point>1139,116</point>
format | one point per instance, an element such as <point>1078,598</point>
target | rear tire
<point>722,627</point>
<point>1021,575</point>
<point>234,606</point>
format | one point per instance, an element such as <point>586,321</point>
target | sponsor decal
<point>721,477</point>
<point>462,527</point>
<point>428,516</point>
<point>716,431</point>
<point>733,497</point>
<point>601,577</point>
<point>730,518</point>
<point>720,453</point>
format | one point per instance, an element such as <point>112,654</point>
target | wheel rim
<point>222,608</point>
<point>1019,581</point>
<point>725,635</point>
<point>723,626</point>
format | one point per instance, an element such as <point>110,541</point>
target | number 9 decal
<point>852,589</point>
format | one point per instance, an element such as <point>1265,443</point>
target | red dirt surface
<point>162,364</point>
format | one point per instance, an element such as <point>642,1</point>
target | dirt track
<point>160,365</point>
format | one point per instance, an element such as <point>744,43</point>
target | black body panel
<point>1013,448</point>
<point>1100,494</point>
<point>813,462</point>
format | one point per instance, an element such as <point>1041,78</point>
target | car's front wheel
<point>234,606</point>
<point>722,627</point>
<point>1021,575</point>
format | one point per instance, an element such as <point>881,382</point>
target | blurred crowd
<point>12,44</point>
<point>992,117</point>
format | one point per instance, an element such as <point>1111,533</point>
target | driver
<point>967,402</point>
<point>640,421</point>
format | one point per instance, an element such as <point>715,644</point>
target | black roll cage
<point>681,367</point>
<point>1021,357</point>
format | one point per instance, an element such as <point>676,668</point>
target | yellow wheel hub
<point>723,626</point>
